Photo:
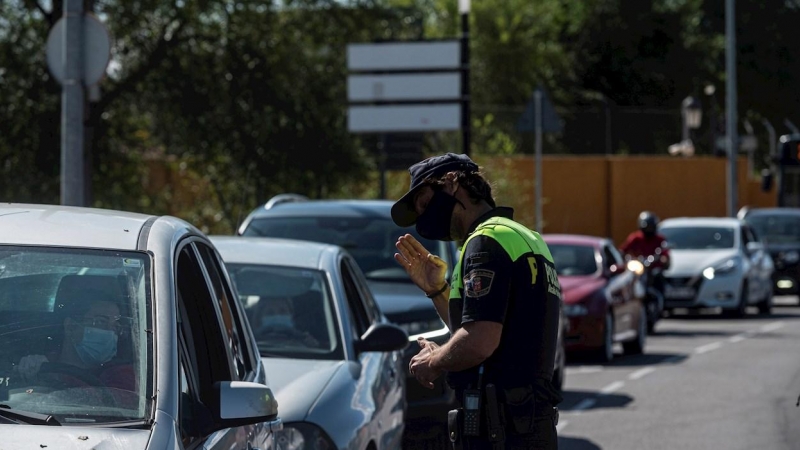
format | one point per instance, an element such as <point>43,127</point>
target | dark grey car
<point>366,230</point>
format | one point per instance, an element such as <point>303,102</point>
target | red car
<point>602,298</point>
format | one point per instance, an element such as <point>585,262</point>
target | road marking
<point>612,387</point>
<point>770,327</point>
<point>707,348</point>
<point>561,425</point>
<point>583,369</point>
<point>641,373</point>
<point>585,404</point>
<point>739,338</point>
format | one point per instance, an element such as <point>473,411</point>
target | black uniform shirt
<point>507,276</point>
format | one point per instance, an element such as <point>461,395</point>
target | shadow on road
<point>691,333</point>
<point>574,399</point>
<point>648,359</point>
<point>576,443</point>
<point>621,360</point>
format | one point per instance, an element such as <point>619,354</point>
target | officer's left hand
<point>420,364</point>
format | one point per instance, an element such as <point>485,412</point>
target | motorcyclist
<point>646,242</point>
<point>651,248</point>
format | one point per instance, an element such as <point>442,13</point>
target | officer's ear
<point>450,183</point>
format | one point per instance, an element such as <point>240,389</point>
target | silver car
<point>716,262</point>
<point>124,330</point>
<point>335,362</point>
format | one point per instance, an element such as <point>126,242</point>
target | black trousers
<point>543,437</point>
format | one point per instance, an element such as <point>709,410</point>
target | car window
<point>699,237</point>
<point>370,240</point>
<point>358,314</point>
<point>74,339</point>
<point>235,337</point>
<point>775,229</point>
<point>199,325</point>
<point>574,260</point>
<point>370,308</point>
<point>609,258</point>
<point>188,403</point>
<point>290,310</point>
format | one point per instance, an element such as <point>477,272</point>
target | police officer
<point>501,305</point>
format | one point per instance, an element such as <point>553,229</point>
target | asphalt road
<point>704,382</point>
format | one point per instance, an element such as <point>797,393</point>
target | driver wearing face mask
<point>91,335</point>
<point>275,319</point>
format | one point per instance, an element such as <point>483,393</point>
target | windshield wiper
<point>27,417</point>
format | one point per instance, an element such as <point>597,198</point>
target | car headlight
<point>791,257</point>
<point>719,269</point>
<point>302,436</point>
<point>576,310</point>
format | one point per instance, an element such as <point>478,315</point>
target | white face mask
<point>97,347</point>
<point>277,321</point>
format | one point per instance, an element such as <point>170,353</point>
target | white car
<point>716,262</point>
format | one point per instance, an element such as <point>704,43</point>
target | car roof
<point>330,208</point>
<point>701,222</point>
<point>574,239</point>
<point>271,251</point>
<point>69,226</point>
<point>773,212</point>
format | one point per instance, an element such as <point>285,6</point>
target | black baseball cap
<point>403,212</point>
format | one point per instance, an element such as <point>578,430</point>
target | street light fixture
<point>692,112</point>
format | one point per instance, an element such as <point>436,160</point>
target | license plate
<point>679,292</point>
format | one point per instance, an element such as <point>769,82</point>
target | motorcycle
<point>645,287</point>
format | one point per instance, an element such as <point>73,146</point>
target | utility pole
<point>466,132</point>
<point>732,142</point>
<point>72,103</point>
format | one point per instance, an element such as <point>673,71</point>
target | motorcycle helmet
<point>648,223</point>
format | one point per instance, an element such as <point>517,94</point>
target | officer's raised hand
<point>427,271</point>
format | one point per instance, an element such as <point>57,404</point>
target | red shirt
<point>639,244</point>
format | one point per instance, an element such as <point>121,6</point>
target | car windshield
<point>698,237</point>
<point>73,340</point>
<point>574,260</point>
<point>290,310</point>
<point>776,229</point>
<point>371,240</point>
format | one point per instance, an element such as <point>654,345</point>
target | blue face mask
<point>98,346</point>
<point>277,321</point>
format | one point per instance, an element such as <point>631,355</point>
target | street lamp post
<point>692,113</point>
<point>466,131</point>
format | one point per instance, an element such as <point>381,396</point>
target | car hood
<point>575,289</point>
<point>77,438</point>
<point>688,263</point>
<point>298,383</point>
<point>398,297</point>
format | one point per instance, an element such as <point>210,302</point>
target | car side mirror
<point>382,337</point>
<point>244,403</point>
<point>615,270</point>
<point>753,247</point>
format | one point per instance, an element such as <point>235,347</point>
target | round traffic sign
<point>96,50</point>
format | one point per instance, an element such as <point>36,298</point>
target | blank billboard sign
<point>404,118</point>
<point>388,56</point>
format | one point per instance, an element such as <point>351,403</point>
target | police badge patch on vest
<point>478,282</point>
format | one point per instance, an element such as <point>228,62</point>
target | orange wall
<point>602,196</point>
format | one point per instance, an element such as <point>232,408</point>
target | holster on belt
<point>455,419</point>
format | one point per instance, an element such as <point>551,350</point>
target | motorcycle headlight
<point>302,436</point>
<point>635,267</point>
<point>791,257</point>
<point>719,269</point>
<point>576,310</point>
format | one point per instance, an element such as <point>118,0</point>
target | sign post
<point>539,117</point>
<point>78,51</point>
